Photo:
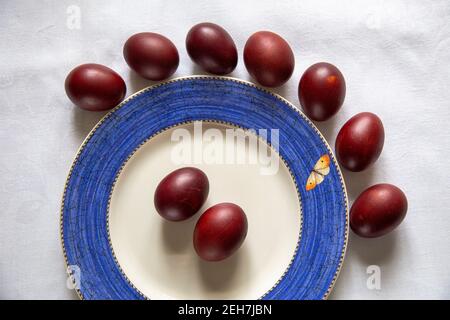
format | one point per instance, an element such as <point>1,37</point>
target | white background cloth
<point>395,56</point>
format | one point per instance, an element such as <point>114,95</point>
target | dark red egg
<point>321,91</point>
<point>151,55</point>
<point>360,141</point>
<point>181,193</point>
<point>269,58</point>
<point>220,231</point>
<point>378,210</point>
<point>95,87</point>
<point>211,47</point>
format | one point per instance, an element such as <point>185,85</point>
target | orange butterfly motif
<point>321,169</point>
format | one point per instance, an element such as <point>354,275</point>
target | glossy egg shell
<point>212,48</point>
<point>151,55</point>
<point>220,231</point>
<point>360,141</point>
<point>378,210</point>
<point>321,91</point>
<point>181,193</point>
<point>95,87</point>
<point>269,58</point>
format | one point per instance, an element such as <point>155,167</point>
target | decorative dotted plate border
<point>84,211</point>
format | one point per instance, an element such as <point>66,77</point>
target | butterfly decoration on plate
<point>320,170</point>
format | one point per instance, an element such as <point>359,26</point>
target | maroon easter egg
<point>212,48</point>
<point>378,210</point>
<point>220,231</point>
<point>321,91</point>
<point>360,141</point>
<point>95,87</point>
<point>151,55</point>
<point>181,193</point>
<point>269,58</point>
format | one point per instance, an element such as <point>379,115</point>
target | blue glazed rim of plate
<point>84,228</point>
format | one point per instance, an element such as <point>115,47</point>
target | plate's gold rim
<point>88,137</point>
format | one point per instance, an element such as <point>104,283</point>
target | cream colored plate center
<point>158,256</point>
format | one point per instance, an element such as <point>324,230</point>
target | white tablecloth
<point>395,56</point>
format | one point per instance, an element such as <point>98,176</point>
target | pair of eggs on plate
<point>220,230</point>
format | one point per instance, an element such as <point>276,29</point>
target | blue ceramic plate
<point>320,248</point>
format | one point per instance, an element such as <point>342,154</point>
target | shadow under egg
<point>221,275</point>
<point>137,83</point>
<point>84,121</point>
<point>357,182</point>
<point>374,251</point>
<point>177,236</point>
